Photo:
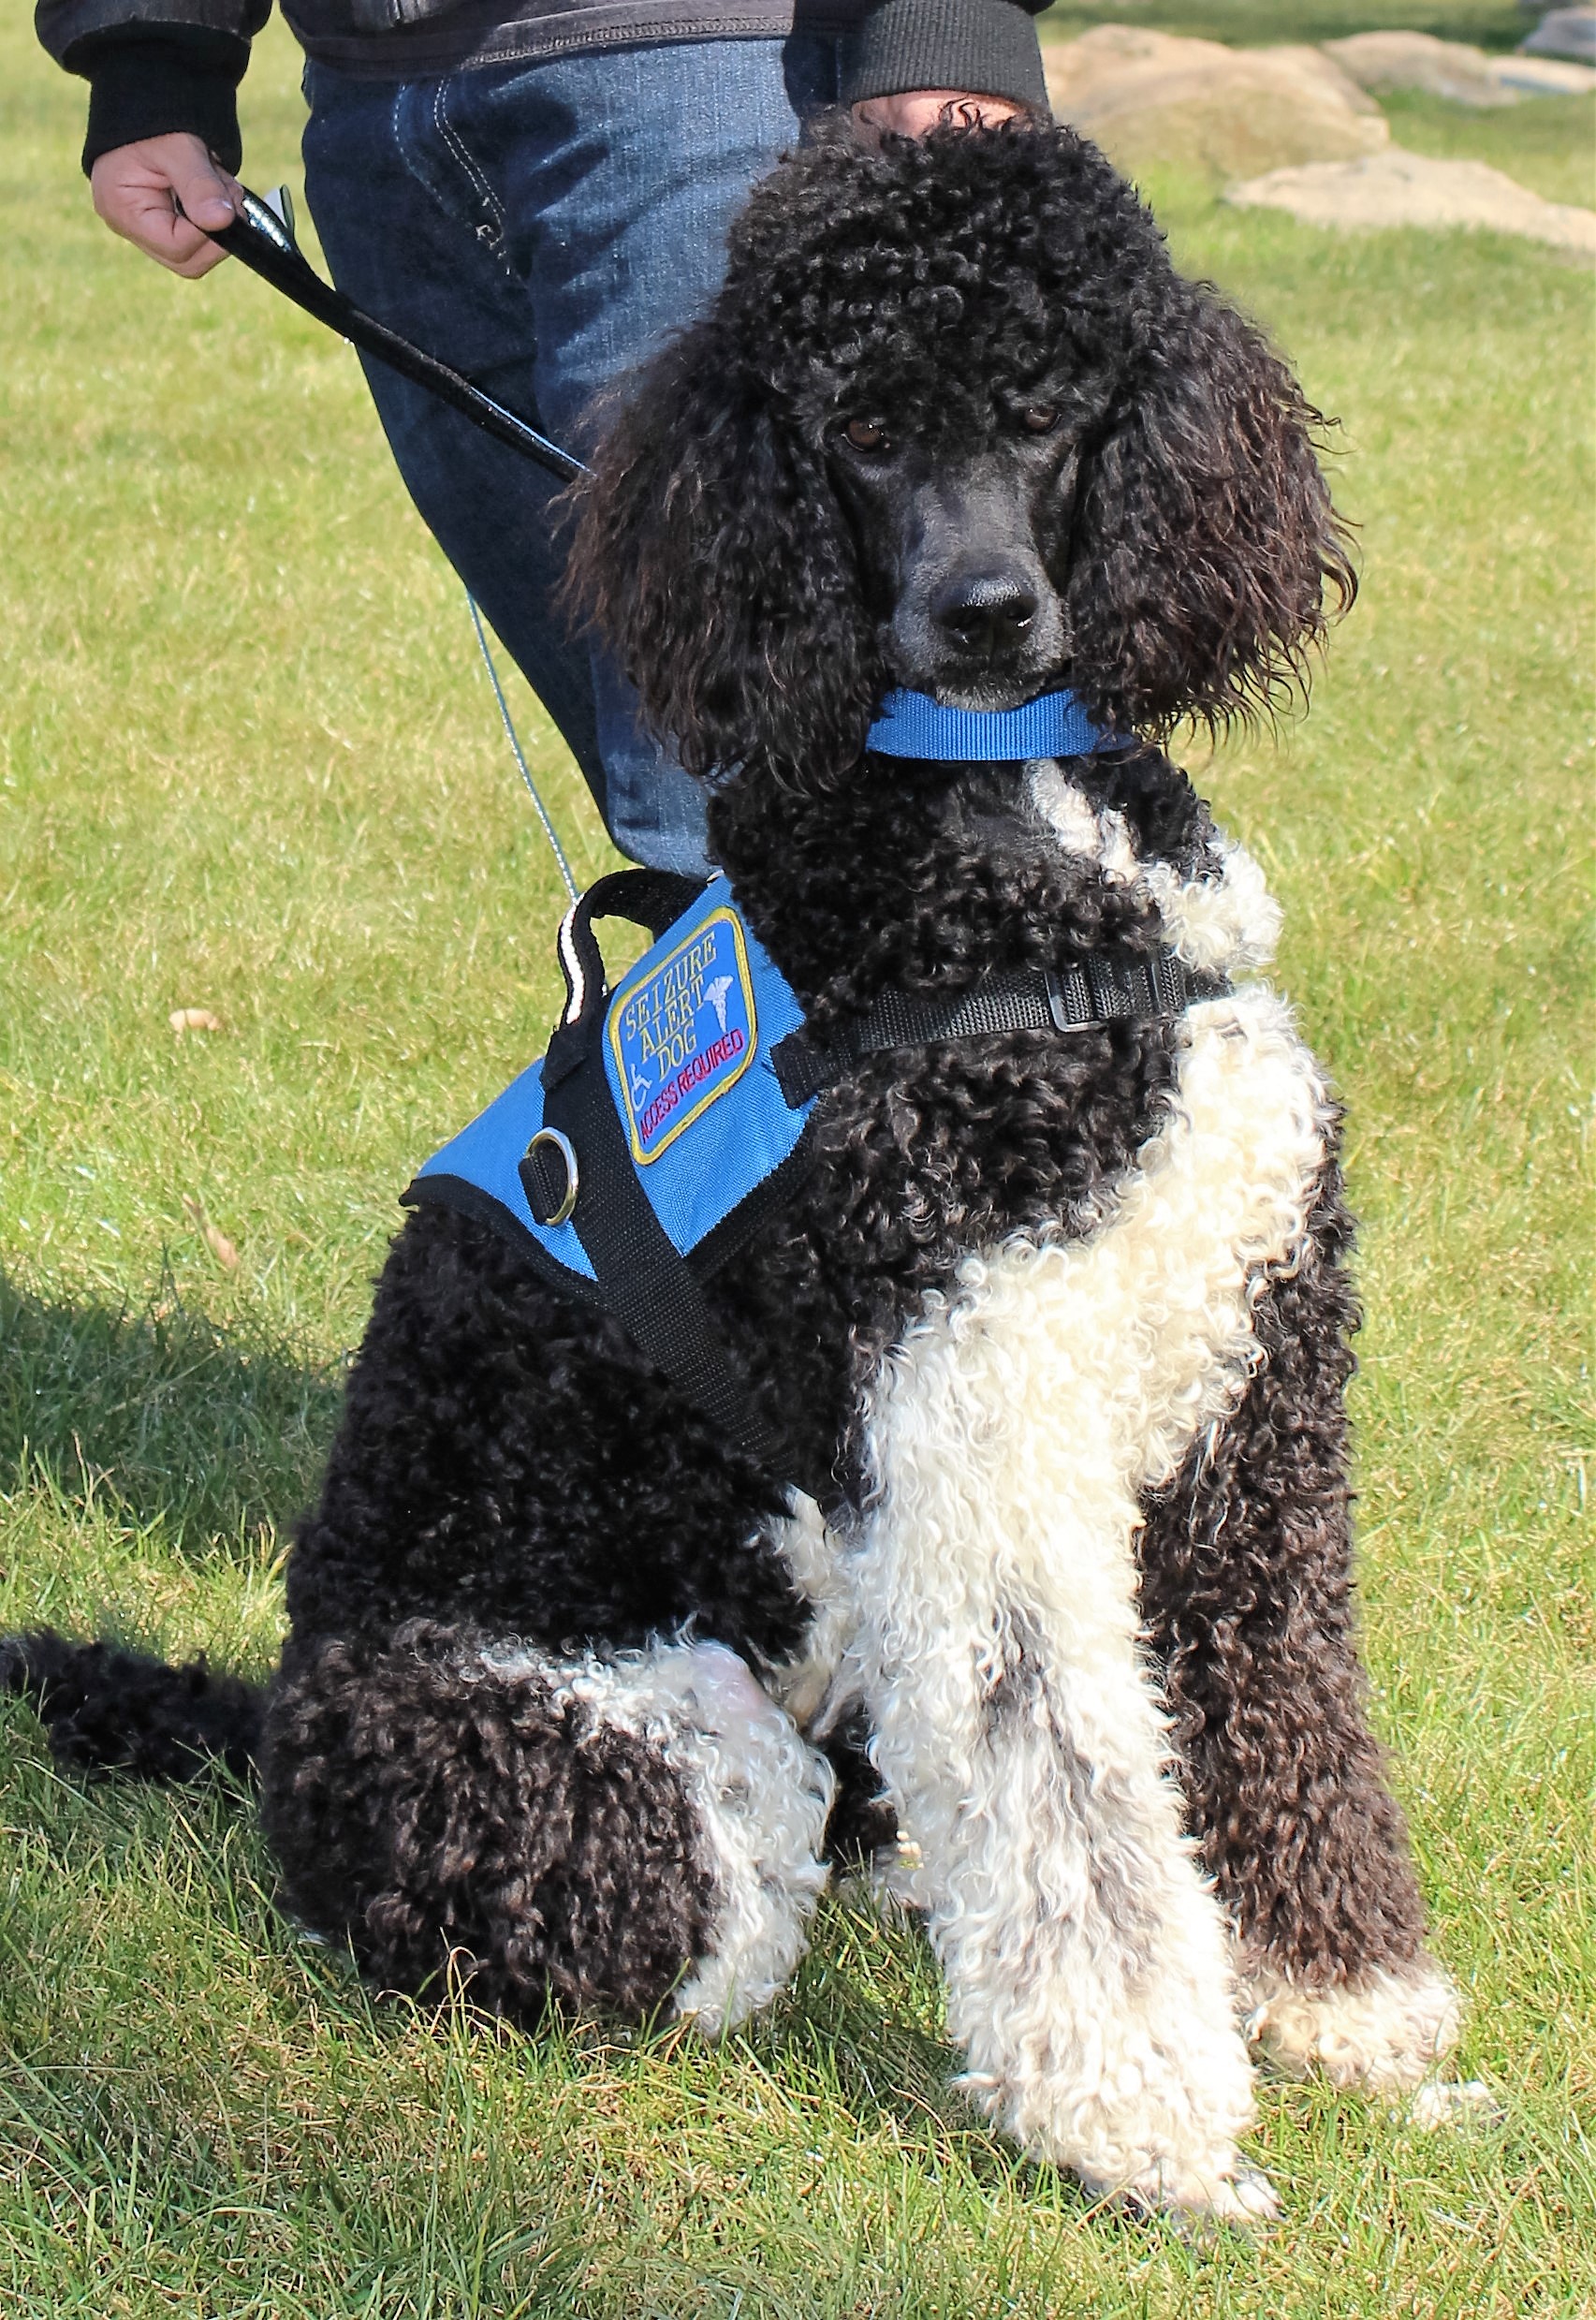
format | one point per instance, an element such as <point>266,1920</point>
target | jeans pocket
<point>436,153</point>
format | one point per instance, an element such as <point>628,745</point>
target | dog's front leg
<point>1025,1752</point>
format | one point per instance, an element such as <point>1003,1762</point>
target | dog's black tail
<point>107,1711</point>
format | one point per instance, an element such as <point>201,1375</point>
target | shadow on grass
<point>863,2025</point>
<point>165,1414</point>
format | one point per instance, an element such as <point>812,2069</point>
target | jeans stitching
<point>422,167</point>
<point>475,175</point>
<point>401,146</point>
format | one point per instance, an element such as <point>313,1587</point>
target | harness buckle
<point>1069,999</point>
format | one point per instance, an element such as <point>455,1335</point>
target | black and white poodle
<point>578,1692</point>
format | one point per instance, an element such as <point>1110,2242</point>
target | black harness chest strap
<point>1110,986</point>
<point>643,1279</point>
<point>647,1284</point>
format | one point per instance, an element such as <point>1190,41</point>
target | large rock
<point>1565,32</point>
<point>1150,97</point>
<point>1413,60</point>
<point>1543,76</point>
<point>1397,188</point>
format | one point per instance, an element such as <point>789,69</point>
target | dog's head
<point>954,423</point>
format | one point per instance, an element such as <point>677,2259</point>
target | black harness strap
<point>1107,988</point>
<point>644,1280</point>
<point>647,1284</point>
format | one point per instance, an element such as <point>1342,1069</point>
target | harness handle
<point>652,899</point>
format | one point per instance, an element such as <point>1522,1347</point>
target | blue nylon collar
<point>913,725</point>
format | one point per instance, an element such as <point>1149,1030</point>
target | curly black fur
<point>452,1495</point>
<point>1246,1590</point>
<point>435,1813</point>
<point>863,1823</point>
<point>122,1711</point>
<point>509,1467</point>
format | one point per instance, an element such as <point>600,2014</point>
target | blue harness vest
<point>688,1036</point>
<point>670,1116</point>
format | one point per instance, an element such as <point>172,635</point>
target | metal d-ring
<point>566,1150</point>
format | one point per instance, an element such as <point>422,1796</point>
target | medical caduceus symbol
<point>715,996</point>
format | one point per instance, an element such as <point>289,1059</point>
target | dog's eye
<point>865,436</point>
<point>1039,419</point>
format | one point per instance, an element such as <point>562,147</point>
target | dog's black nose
<point>988,614</point>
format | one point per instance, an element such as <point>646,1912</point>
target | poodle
<point>999,1543</point>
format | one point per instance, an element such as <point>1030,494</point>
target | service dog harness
<point>670,1116</point>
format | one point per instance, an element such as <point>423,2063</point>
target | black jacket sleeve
<point>986,47</point>
<point>154,66</point>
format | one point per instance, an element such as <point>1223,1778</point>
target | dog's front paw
<point>1385,2032</point>
<point>1150,2117</point>
<point>1453,2102</point>
<point>763,1795</point>
<point>1243,2198</point>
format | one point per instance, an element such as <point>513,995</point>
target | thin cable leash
<point>262,237</point>
<point>543,813</point>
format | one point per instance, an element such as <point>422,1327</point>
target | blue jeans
<point>541,227</point>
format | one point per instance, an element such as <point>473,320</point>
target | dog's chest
<point>1010,1432</point>
<point>1092,1360</point>
<point>927,1157</point>
<point>1047,1374</point>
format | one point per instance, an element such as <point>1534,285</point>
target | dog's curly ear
<point>1205,541</point>
<point>711,559</point>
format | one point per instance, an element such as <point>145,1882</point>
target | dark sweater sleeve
<point>151,71</point>
<point>986,47</point>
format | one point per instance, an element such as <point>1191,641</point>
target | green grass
<point>249,764</point>
<point>1548,143</point>
<point>1257,24</point>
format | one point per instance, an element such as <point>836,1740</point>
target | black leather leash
<point>264,241</point>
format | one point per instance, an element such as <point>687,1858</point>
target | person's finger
<point>210,199</point>
<point>208,195</point>
<point>209,253</point>
<point>145,216</point>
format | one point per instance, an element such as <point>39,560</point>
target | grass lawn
<point>247,763</point>
<point>1488,24</point>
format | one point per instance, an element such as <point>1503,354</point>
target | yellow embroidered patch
<point>683,1033</point>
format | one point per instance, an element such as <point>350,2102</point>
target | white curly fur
<point>822,1681</point>
<point>1384,2033</point>
<point>761,1795</point>
<point>1223,925</point>
<point>994,1591</point>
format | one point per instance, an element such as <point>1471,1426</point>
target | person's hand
<point>133,187</point>
<point>919,110</point>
